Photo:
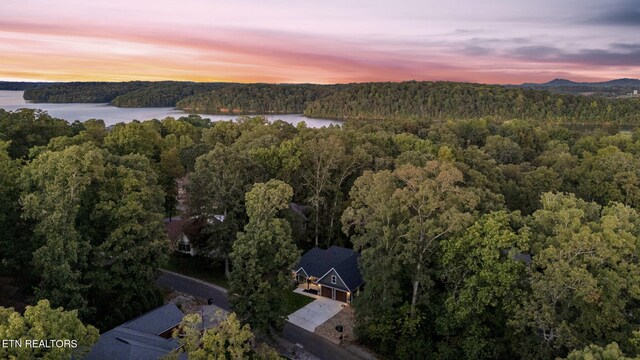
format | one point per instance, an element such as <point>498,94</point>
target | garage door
<point>341,296</point>
<point>327,292</point>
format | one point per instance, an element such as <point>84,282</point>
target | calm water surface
<point>13,100</point>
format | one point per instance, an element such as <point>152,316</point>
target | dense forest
<point>372,101</point>
<point>448,100</point>
<point>479,238</point>
<point>165,94</point>
<point>122,94</point>
<point>255,99</point>
<point>82,92</point>
<point>21,85</point>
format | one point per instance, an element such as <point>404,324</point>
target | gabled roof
<point>299,210</point>
<point>353,279</point>
<point>313,262</point>
<point>318,262</point>
<point>156,321</point>
<point>174,227</point>
<point>138,338</point>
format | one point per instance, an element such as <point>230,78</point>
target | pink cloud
<point>126,40</point>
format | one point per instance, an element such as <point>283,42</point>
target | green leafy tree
<point>504,150</point>
<point>53,186</point>
<point>327,162</point>
<point>217,187</point>
<point>611,351</point>
<point>27,128</point>
<point>438,206</point>
<point>610,175</point>
<point>585,278</point>
<point>41,322</point>
<point>170,169</point>
<point>229,340</point>
<point>17,249</point>
<point>127,252</point>
<point>484,273</point>
<point>404,215</point>
<point>322,157</point>
<point>595,352</point>
<point>374,215</point>
<point>133,138</point>
<point>262,258</point>
<point>98,231</point>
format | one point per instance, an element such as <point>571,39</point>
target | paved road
<point>194,287</point>
<point>315,344</point>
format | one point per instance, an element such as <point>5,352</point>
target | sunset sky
<point>490,41</point>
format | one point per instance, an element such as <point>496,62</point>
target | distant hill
<point>612,89</point>
<point>121,94</point>
<point>21,85</point>
<point>626,82</point>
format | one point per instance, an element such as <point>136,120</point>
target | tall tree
<point>99,231</point>
<point>405,214</point>
<point>262,258</point>
<point>484,271</point>
<point>133,245</point>
<point>217,187</point>
<point>373,217</point>
<point>17,249</point>
<point>322,156</point>
<point>54,184</point>
<point>438,207</point>
<point>327,163</point>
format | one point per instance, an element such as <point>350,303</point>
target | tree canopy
<point>41,322</point>
<point>262,258</point>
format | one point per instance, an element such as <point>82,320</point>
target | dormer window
<point>183,247</point>
<point>333,279</point>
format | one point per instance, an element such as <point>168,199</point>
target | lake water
<point>13,100</point>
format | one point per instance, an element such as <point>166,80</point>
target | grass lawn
<point>198,268</point>
<point>202,269</point>
<point>295,301</point>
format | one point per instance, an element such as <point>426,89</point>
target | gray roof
<point>299,210</point>
<point>317,262</point>
<point>518,256</point>
<point>349,272</point>
<point>138,338</point>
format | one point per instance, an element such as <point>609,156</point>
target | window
<point>182,247</point>
<point>333,279</point>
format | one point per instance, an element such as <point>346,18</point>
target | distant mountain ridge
<point>624,82</point>
<point>21,85</point>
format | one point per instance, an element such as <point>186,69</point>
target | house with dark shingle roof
<point>147,337</point>
<point>332,273</point>
<point>184,232</point>
<point>179,241</point>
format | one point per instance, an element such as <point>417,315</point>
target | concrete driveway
<point>316,313</point>
<point>316,344</point>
